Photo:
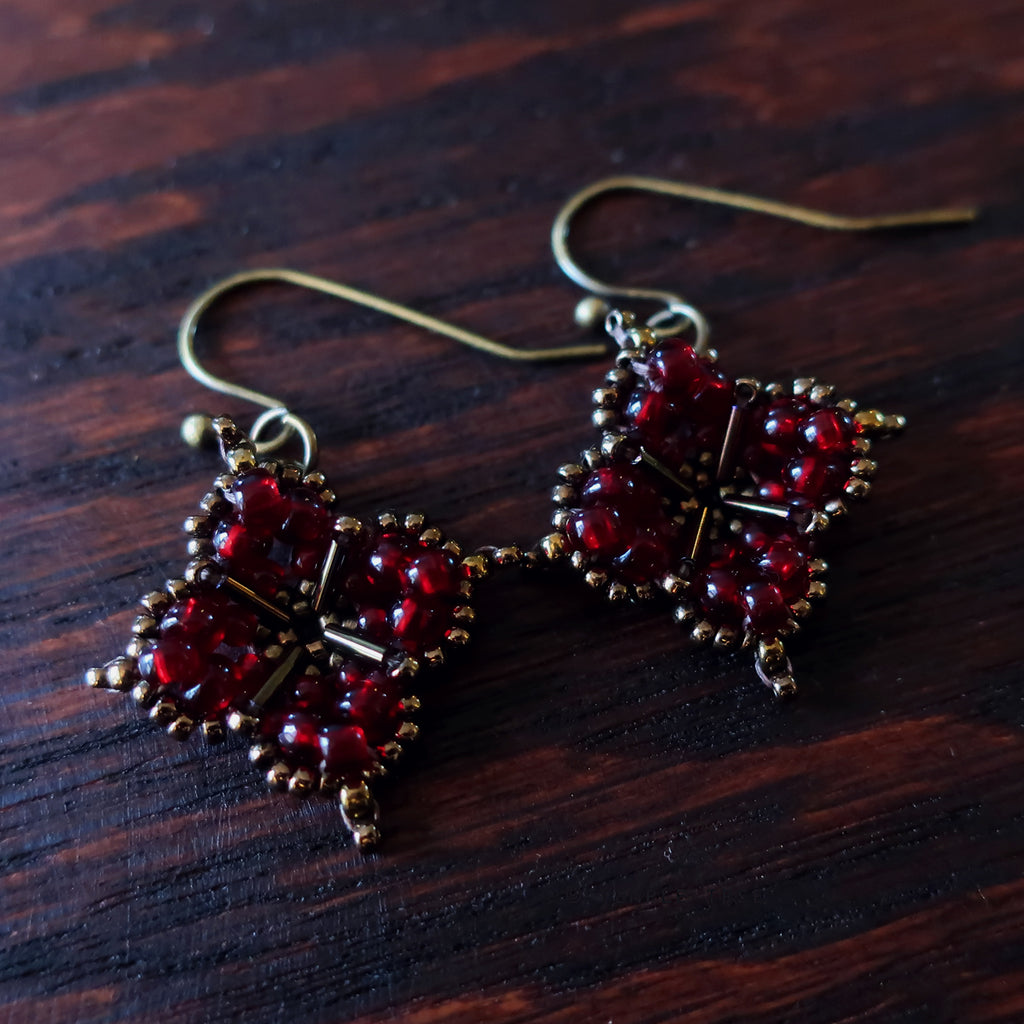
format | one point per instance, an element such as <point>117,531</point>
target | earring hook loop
<point>665,321</point>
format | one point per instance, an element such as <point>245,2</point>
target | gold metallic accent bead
<point>510,555</point>
<point>199,547</point>
<point>176,589</point>
<point>302,782</point>
<point>144,693</point>
<point>847,405</point>
<point>802,385</point>
<point>96,677</point>
<point>291,472</point>
<point>683,614</point>
<point>329,784</point>
<point>408,731</point>
<point>391,752</point>
<point>774,390</point>
<point>464,613</point>
<point>817,566</point>
<point>801,608</point>
<point>726,638</point>
<point>357,802</point>
<point>366,836</point>
<point>605,398</point>
<point>644,591</point>
<point>466,590</point>
<point>431,535</point>
<point>789,628</point>
<point>870,420</point>
<point>224,427</point>
<point>836,508</point>
<point>181,728</point>
<point>242,723</point>
<point>414,522</point>
<point>347,526</point>
<point>214,503</point>
<point>771,656</point>
<point>262,754</point>
<point>857,488</point>
<point>578,560</point>
<point>672,584</point>
<point>554,546</point>
<point>895,423</point>
<point>617,376</point>
<point>711,355</point>
<point>861,445</point>
<point>197,430</point>
<point>241,460</point>
<point>643,337</point>
<point>457,637</point>
<point>592,458</point>
<point>163,712</point>
<point>156,602</point>
<point>134,648</point>
<point>705,459</point>
<point>590,312</point>
<point>121,674</point>
<point>434,657</point>
<point>278,775</point>
<point>213,732</point>
<point>784,687</point>
<point>327,496</point>
<point>405,669</point>
<point>273,651</point>
<point>316,480</point>
<point>387,521</point>
<point>572,472</point>
<point>596,578</point>
<point>604,418</point>
<point>199,569</point>
<point>625,357</point>
<point>613,445</point>
<point>224,483</point>
<point>411,704</point>
<point>822,394</point>
<point>702,632</point>
<point>865,468</point>
<point>453,548</point>
<point>816,589</point>
<point>563,494</point>
<point>476,566</point>
<point>617,592</point>
<point>198,526</point>
<point>818,522</point>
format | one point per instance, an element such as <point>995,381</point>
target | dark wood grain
<point>599,824</point>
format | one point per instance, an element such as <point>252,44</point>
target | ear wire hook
<point>666,321</point>
<point>275,409</point>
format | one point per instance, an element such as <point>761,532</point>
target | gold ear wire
<point>588,310</point>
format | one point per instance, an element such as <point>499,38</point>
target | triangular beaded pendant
<point>714,492</point>
<point>300,628</point>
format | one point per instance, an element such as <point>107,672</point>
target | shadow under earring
<point>709,490</point>
<point>295,624</point>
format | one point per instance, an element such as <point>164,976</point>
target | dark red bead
<point>673,367</point>
<point>306,560</point>
<point>828,431</point>
<point>623,488</point>
<point>219,687</point>
<point>374,624</point>
<point>651,414</point>
<point>649,555</point>
<point>816,477</point>
<point>169,662</point>
<point>765,610</point>
<point>418,622</point>
<point>197,621</point>
<point>773,491</point>
<point>344,752</point>
<point>599,530</point>
<point>385,566</point>
<point>373,704</point>
<point>433,572</point>
<point>235,543</point>
<point>313,694</point>
<point>780,428</point>
<point>720,596</point>
<point>786,566</point>
<point>257,498</point>
<point>298,734</point>
<point>755,538</point>
<point>239,624</point>
<point>306,517</point>
<point>711,401</point>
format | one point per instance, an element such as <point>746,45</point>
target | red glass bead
<point>673,367</point>
<point>306,559</point>
<point>599,530</point>
<point>828,431</point>
<point>234,543</point>
<point>313,694</point>
<point>374,624</point>
<point>780,429</point>
<point>239,624</point>
<point>344,752</point>
<point>386,565</point>
<point>816,478</point>
<point>765,610</point>
<point>711,401</point>
<point>622,488</point>
<point>773,491</point>
<point>197,621</point>
<point>169,662</point>
<point>649,555</point>
<point>418,622</point>
<point>786,566</point>
<point>219,687</point>
<point>719,596</point>
<point>373,704</point>
<point>651,414</point>
<point>306,516</point>
<point>433,572</point>
<point>298,736</point>
<point>257,498</point>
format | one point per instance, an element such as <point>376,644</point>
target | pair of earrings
<point>305,629</point>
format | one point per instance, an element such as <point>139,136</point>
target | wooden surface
<point>598,825</point>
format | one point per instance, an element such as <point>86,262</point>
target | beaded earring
<point>708,490</point>
<point>295,624</point>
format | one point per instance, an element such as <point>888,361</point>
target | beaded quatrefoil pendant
<point>713,491</point>
<point>299,628</point>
